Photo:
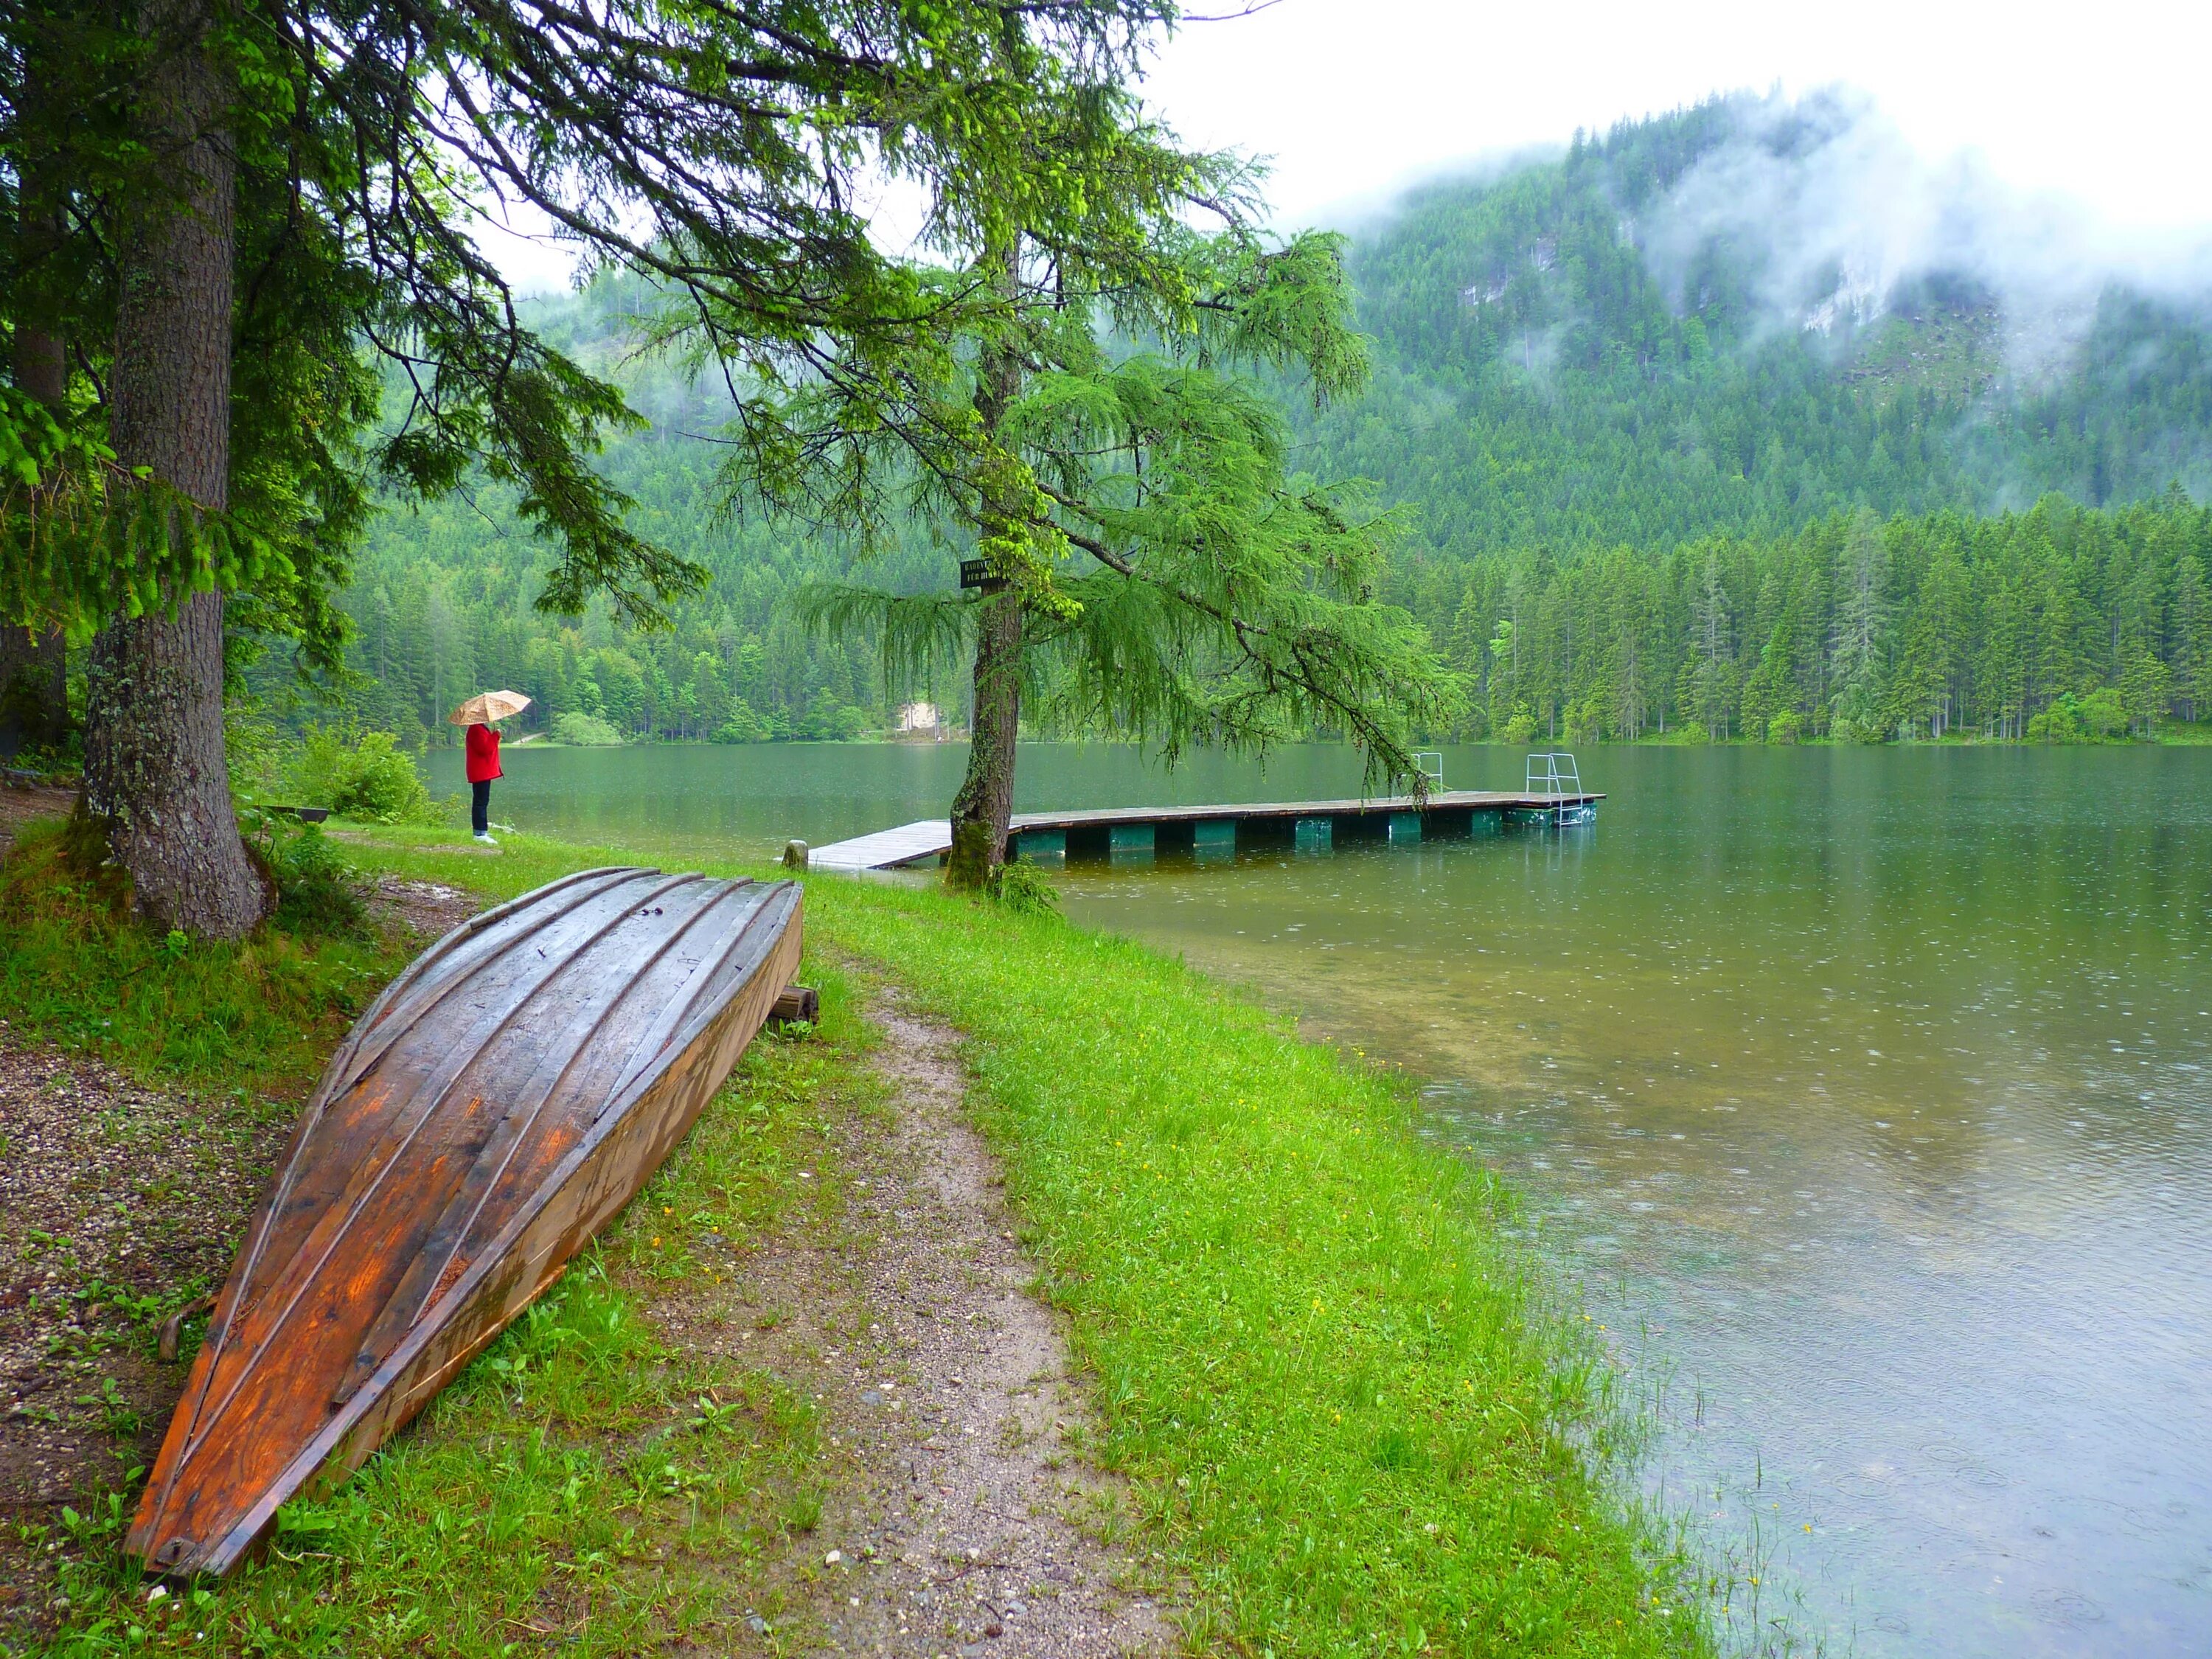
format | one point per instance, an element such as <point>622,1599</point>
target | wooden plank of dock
<point>932,838</point>
<point>1438,801</point>
<point>885,849</point>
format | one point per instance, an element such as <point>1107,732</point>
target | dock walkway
<point>1091,833</point>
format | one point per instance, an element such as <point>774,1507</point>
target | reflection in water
<point>1871,1091</point>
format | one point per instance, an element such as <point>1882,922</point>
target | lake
<point>1867,1092</point>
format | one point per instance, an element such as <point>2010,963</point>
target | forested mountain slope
<point>1705,322</point>
<point>1726,416</point>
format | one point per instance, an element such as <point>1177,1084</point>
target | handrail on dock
<point>1555,777</point>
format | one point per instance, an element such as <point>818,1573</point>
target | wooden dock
<point>1098,832</point>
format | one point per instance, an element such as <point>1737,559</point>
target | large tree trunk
<point>983,809</point>
<point>34,689</point>
<point>156,781</point>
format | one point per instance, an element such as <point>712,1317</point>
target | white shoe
<point>486,841</point>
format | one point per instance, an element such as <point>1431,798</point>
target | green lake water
<point>1867,1093</point>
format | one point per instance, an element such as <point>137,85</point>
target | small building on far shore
<point>921,722</point>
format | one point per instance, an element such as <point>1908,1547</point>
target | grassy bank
<point>1339,1391</point>
<point>590,1486</point>
<point>1350,1420</point>
<point>260,1016</point>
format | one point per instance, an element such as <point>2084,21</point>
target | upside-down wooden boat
<point>504,1098</point>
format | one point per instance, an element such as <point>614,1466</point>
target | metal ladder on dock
<point>1556,775</point>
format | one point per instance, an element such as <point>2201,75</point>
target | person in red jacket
<point>483,749</point>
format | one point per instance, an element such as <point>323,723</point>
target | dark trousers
<point>480,806</point>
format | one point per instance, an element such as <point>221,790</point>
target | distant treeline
<point>2060,624</point>
<point>734,669</point>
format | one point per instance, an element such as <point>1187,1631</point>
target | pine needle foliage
<point>1101,434</point>
<point>1226,600</point>
<point>727,153</point>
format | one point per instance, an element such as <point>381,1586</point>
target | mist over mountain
<point>1750,314</point>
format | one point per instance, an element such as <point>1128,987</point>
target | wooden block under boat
<point>504,1098</point>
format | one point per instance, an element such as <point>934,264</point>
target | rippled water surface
<point>1869,1091</point>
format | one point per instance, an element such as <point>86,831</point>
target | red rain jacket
<point>483,755</point>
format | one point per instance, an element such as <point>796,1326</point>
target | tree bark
<point>982,811</point>
<point>157,783</point>
<point>33,683</point>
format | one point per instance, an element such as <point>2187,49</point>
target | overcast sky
<point>2106,102</point>
<point>2102,103</point>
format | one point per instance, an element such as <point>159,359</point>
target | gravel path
<point>968,1522</point>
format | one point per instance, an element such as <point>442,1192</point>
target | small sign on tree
<point>975,573</point>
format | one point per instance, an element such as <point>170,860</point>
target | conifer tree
<point>333,146</point>
<point>1711,650</point>
<point>1147,561</point>
<point>2192,629</point>
<point>1860,617</point>
<point>33,696</point>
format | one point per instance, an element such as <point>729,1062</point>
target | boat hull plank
<point>498,1105</point>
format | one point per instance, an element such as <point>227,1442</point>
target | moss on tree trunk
<point>983,809</point>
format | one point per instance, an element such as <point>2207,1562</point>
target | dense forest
<point>440,605</point>
<point>442,598</point>
<point>2062,622</point>
<point>1657,470</point>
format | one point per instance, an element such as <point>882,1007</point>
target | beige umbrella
<point>486,706</point>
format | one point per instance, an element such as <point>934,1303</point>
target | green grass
<point>1348,1406</point>
<point>1354,1419</point>
<point>1339,1391</point>
<point>521,863</point>
<point>584,1487</point>
<point>262,1015</point>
